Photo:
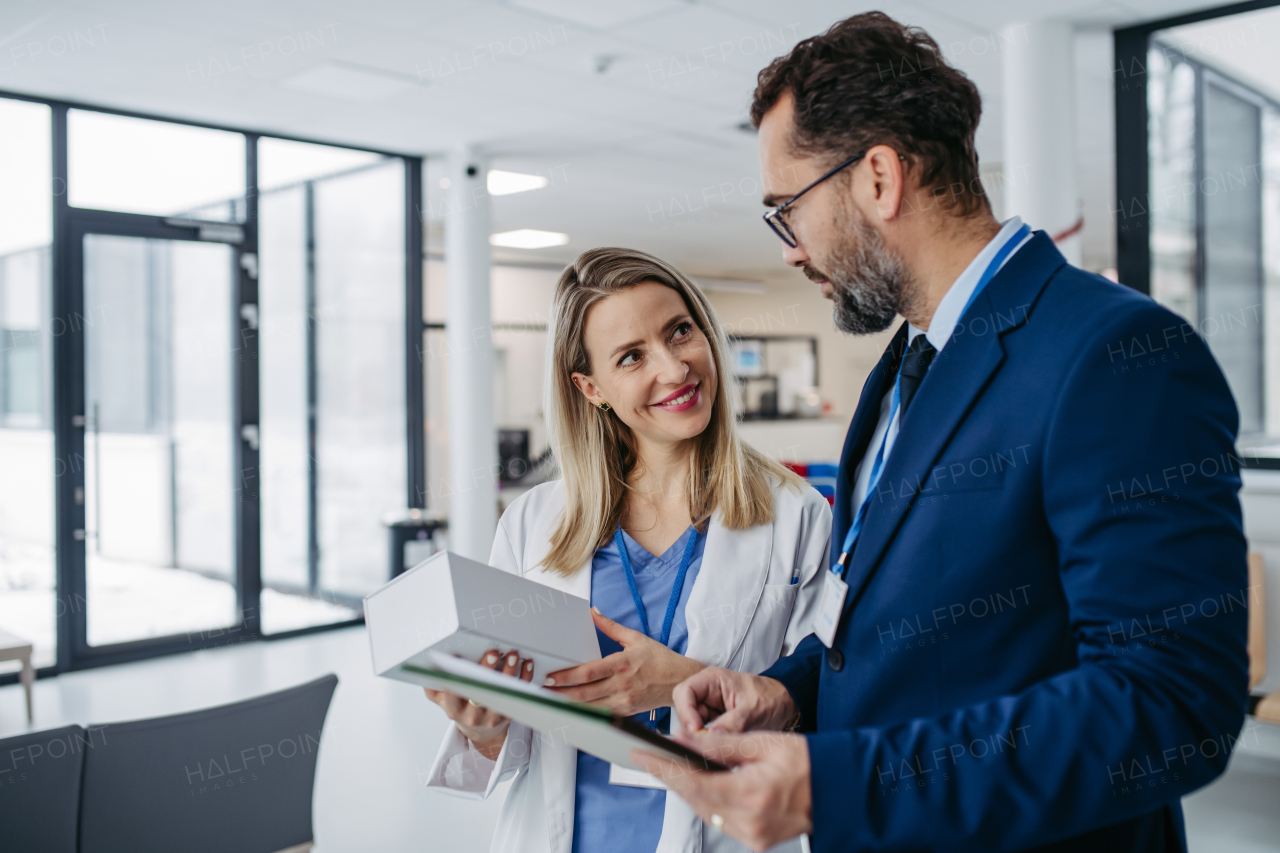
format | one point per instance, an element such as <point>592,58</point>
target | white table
<point>13,647</point>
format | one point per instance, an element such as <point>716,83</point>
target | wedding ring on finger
<point>717,822</point>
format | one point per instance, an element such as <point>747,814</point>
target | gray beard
<point>870,283</point>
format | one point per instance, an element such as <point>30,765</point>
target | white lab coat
<point>743,613</point>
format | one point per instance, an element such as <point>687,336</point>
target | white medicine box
<point>458,606</point>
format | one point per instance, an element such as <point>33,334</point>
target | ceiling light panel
<point>528,238</point>
<point>509,183</point>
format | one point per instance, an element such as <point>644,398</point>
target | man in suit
<point>1036,632</point>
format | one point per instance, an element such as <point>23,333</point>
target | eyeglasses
<point>773,216</point>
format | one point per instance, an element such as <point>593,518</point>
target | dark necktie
<point>914,366</point>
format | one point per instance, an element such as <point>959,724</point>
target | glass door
<point>29,601</point>
<point>130,347</point>
<point>1231,242</point>
<point>160,483</point>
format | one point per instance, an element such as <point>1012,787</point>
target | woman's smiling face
<point>650,362</point>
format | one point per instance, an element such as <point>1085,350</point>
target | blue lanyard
<point>877,467</point>
<point>676,587</point>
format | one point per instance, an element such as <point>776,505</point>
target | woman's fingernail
<point>491,659</point>
<point>512,658</point>
<point>550,682</point>
<point>596,611</point>
<point>528,664</point>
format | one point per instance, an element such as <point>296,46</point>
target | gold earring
<point>604,407</point>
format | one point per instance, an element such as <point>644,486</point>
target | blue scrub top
<point>618,818</point>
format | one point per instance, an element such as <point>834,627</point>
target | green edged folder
<point>585,727</point>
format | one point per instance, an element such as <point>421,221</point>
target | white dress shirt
<point>944,321</point>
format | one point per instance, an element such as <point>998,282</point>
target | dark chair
<point>233,778</point>
<point>40,789</point>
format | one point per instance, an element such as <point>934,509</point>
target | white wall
<point>520,298</point>
<point>1095,149</point>
<point>790,305</point>
<point>1096,146</point>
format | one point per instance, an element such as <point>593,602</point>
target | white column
<point>473,437</point>
<point>1040,182</point>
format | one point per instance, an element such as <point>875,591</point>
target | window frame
<point>67,392</point>
<point>1132,123</point>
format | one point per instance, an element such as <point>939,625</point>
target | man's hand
<point>638,678</point>
<point>765,800</point>
<point>733,702</point>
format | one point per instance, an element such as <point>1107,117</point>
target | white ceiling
<point>632,107</point>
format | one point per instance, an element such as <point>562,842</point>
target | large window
<point>210,394</point>
<point>332,316</point>
<point>1199,200</point>
<point>139,166</point>
<point>27,460</point>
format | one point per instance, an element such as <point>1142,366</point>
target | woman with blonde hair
<point>694,549</point>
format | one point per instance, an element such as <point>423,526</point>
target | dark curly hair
<point>870,80</point>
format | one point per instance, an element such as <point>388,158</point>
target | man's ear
<point>889,175</point>
<point>588,388</point>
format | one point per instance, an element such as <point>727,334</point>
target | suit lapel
<point>863,426</point>
<point>949,390</point>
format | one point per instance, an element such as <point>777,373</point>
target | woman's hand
<point>638,678</point>
<point>485,729</point>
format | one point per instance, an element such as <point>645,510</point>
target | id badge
<point>619,775</point>
<point>833,594</point>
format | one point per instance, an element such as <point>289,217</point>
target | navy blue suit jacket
<point>1043,642</point>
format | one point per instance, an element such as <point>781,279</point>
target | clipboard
<point>594,730</point>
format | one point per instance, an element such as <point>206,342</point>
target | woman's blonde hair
<point>597,451</point>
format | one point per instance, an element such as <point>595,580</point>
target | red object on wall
<point>800,468</point>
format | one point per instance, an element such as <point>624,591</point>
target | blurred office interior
<point>275,279</point>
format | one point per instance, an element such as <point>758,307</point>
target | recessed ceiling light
<point>506,183</point>
<point>528,238</point>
